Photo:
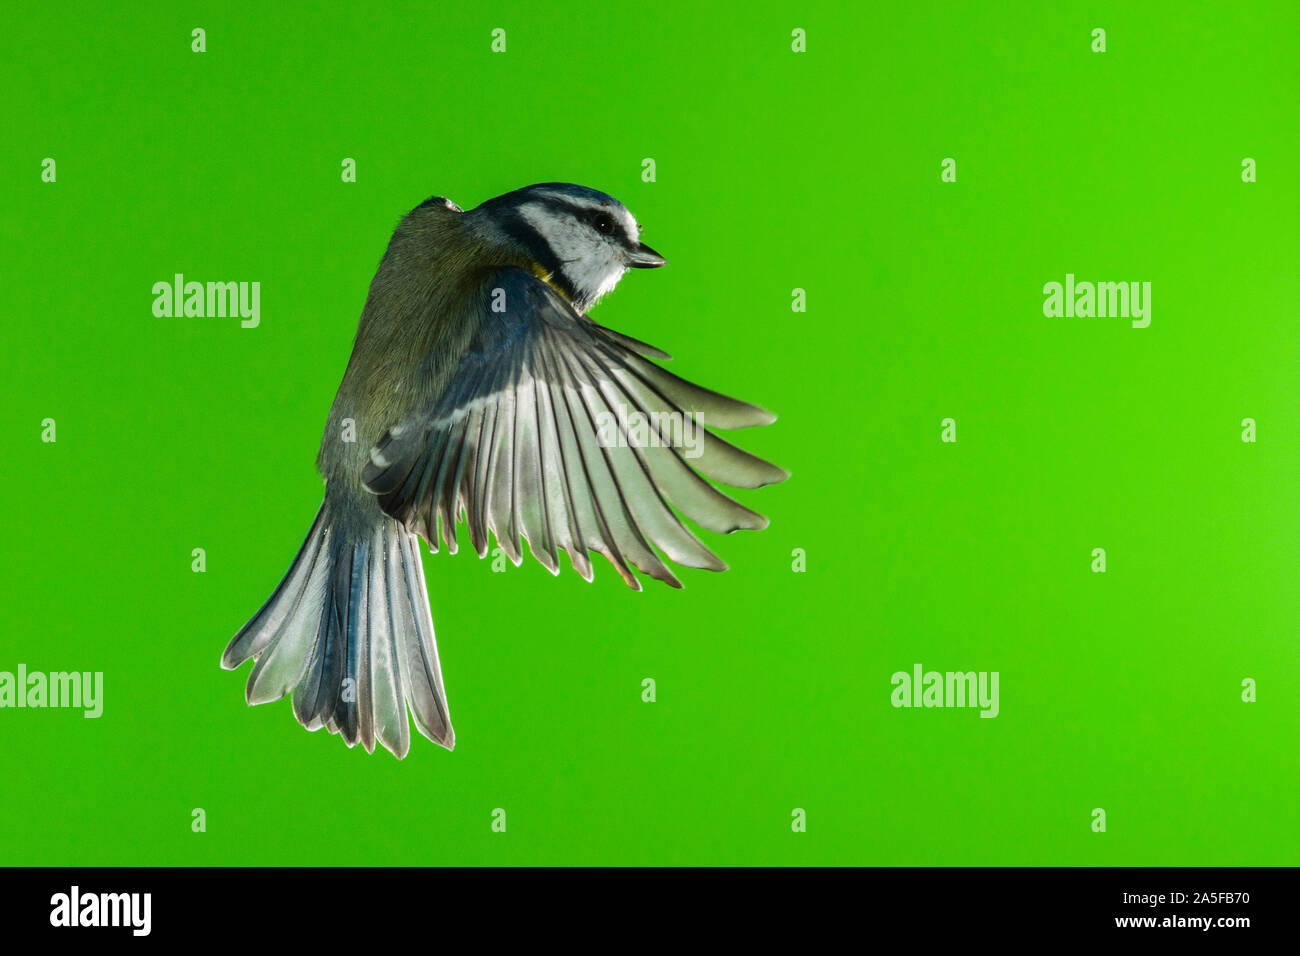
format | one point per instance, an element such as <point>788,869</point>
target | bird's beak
<point>643,257</point>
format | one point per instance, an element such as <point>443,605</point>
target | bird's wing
<point>563,431</point>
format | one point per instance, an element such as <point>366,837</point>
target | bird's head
<point>586,240</point>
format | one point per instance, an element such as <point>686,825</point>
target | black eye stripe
<point>602,220</point>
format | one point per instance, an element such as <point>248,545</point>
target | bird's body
<point>477,389</point>
<point>423,302</point>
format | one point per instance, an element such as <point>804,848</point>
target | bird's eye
<point>605,224</point>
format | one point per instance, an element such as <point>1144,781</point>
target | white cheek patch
<point>588,260</point>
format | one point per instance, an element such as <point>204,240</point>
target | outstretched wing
<point>562,431</point>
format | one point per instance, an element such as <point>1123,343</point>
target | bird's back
<point>423,309</point>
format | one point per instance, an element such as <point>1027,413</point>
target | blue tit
<point>479,390</point>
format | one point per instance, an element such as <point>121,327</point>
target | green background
<point>776,170</point>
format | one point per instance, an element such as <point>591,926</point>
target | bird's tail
<point>349,632</point>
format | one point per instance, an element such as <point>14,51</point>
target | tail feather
<point>254,636</point>
<point>349,633</point>
<point>392,728</point>
<point>421,673</point>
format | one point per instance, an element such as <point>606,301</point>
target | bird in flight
<point>480,391</point>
